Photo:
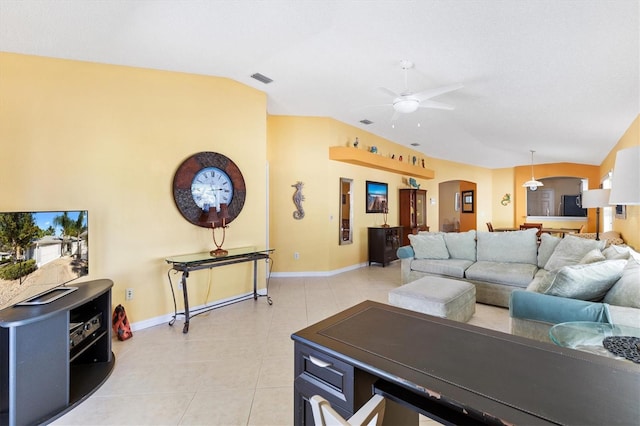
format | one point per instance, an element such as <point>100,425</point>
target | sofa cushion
<point>461,245</point>
<point>548,244</point>
<point>554,310</point>
<point>447,267</point>
<point>429,246</point>
<point>583,281</point>
<point>515,274</point>
<point>593,256</point>
<point>511,247</point>
<point>616,252</point>
<point>570,250</point>
<point>626,291</point>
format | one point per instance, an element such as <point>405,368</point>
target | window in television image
<point>40,251</point>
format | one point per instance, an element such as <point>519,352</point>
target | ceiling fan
<point>408,101</point>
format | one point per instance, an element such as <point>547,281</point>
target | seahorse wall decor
<point>506,199</point>
<point>298,198</point>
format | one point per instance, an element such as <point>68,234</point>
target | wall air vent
<point>415,144</point>
<point>367,122</point>
<point>261,78</point>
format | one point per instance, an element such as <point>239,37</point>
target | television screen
<point>40,251</point>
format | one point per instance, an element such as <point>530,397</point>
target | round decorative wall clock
<point>206,180</point>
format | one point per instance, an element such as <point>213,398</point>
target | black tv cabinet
<point>43,371</point>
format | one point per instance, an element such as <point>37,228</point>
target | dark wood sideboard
<point>455,373</point>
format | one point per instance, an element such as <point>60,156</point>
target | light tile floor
<point>235,366</point>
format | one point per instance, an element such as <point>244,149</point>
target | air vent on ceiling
<point>367,122</point>
<point>415,144</point>
<point>261,78</point>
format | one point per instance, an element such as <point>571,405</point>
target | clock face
<point>208,178</point>
<point>211,187</point>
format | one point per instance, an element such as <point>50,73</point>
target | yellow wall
<point>109,139</point>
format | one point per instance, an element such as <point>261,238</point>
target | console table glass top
<point>205,257</point>
<point>588,336</point>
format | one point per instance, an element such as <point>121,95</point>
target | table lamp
<point>596,198</point>
<point>625,183</point>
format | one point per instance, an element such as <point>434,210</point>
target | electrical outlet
<point>296,255</point>
<point>128,295</point>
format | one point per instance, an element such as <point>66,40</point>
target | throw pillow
<point>461,245</point>
<point>592,256</point>
<point>426,246</point>
<point>617,252</point>
<point>570,250</point>
<point>548,244</point>
<point>626,291</point>
<point>509,247</point>
<point>583,281</point>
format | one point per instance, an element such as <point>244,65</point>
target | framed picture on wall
<point>467,201</point>
<point>621,211</point>
<point>377,197</point>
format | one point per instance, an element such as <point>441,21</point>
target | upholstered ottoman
<point>437,296</point>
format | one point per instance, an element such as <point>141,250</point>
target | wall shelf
<point>360,157</point>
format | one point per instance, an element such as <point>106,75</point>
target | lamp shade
<point>595,198</point>
<point>625,183</point>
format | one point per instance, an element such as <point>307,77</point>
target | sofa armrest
<point>405,252</point>
<point>553,309</point>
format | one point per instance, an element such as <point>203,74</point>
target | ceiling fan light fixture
<point>406,106</point>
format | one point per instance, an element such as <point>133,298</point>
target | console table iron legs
<point>198,261</point>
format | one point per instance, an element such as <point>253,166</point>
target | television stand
<point>45,370</point>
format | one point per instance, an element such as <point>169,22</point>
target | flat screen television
<point>40,252</point>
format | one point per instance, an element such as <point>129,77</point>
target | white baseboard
<point>164,319</point>
<point>317,273</point>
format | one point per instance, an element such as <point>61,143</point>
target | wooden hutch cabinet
<point>413,212</point>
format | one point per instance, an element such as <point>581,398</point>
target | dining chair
<point>529,225</point>
<point>369,414</point>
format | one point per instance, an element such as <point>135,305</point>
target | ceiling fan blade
<point>389,92</point>
<point>436,105</point>
<point>432,93</point>
<point>394,117</point>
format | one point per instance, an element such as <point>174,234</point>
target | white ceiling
<point>561,77</point>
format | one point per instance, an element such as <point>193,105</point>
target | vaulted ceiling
<point>561,77</point>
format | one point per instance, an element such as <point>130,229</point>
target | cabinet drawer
<point>319,373</point>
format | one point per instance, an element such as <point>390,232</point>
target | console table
<point>455,373</point>
<point>44,371</point>
<point>197,261</point>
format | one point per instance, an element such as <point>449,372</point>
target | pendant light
<point>532,184</point>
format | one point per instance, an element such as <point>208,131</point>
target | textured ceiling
<point>561,77</point>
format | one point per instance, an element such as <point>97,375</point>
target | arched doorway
<point>457,206</point>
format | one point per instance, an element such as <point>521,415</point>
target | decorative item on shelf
<point>385,213</point>
<point>413,160</point>
<point>298,198</point>
<point>393,156</point>
<point>532,184</point>
<point>423,163</point>
<point>374,149</point>
<point>506,199</point>
<point>214,218</point>
<point>596,198</point>
<point>356,142</point>
<point>414,183</point>
<point>400,158</point>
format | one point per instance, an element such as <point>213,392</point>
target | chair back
<point>370,414</point>
<point>490,226</point>
<point>529,225</point>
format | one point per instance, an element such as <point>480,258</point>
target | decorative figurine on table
<point>298,198</point>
